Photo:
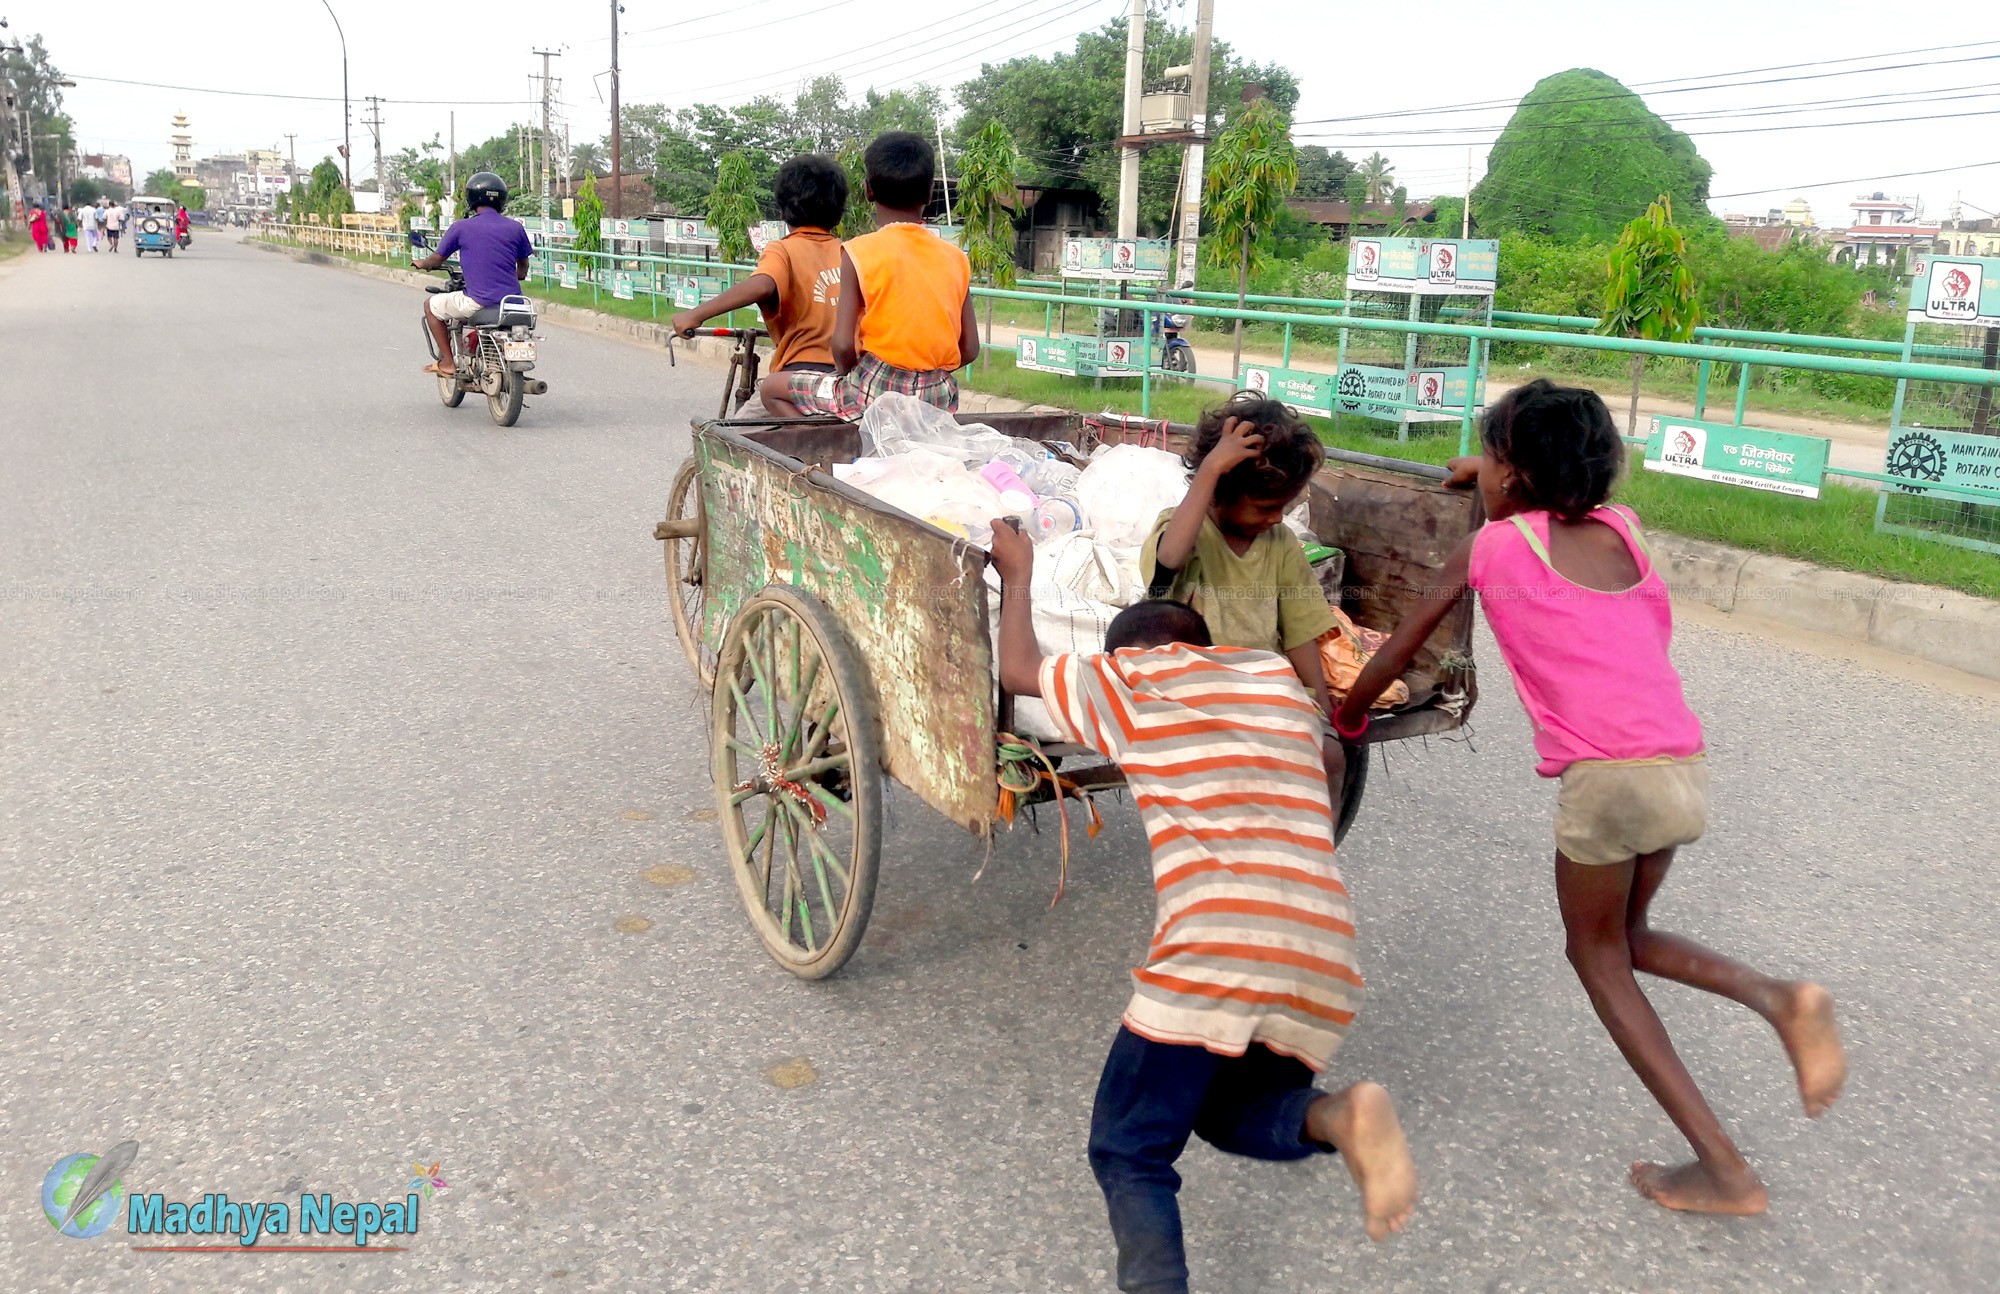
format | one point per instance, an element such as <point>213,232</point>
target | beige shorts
<point>1609,811</point>
<point>453,305</point>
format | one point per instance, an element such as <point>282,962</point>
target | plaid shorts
<point>846,397</point>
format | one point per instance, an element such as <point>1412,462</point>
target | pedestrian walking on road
<point>1583,620</point>
<point>86,219</point>
<point>69,229</point>
<point>1250,982</point>
<point>38,228</point>
<point>114,224</point>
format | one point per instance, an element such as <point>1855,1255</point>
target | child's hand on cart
<point>1013,553</point>
<point>1464,471</point>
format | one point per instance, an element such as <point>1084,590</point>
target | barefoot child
<point>1250,982</point>
<point>797,283</point>
<point>1226,552</point>
<point>1583,621</point>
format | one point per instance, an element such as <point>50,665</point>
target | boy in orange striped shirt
<point>1250,982</point>
<point>905,319</point>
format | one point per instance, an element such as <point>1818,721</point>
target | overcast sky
<point>480,56</point>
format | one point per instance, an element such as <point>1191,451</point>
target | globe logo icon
<point>84,1193</point>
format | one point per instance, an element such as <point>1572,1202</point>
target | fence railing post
<point>1701,390</point>
<point>1742,390</point>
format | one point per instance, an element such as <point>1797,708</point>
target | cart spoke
<point>822,731</point>
<point>747,793</point>
<point>795,731</point>
<point>743,709</point>
<point>831,801</point>
<point>750,654</point>
<point>824,764</point>
<point>791,876</point>
<point>822,850</point>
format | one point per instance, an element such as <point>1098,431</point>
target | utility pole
<point>451,174</point>
<point>944,171</point>
<point>547,86</point>
<point>1191,164</point>
<point>1128,156</point>
<point>617,161</point>
<point>16,210</point>
<point>374,123</point>
<point>291,160</point>
<point>1465,217</point>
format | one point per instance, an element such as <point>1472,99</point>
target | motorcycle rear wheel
<point>506,406</point>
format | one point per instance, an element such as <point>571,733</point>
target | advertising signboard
<point>637,229</point>
<point>1957,290</point>
<point>1116,258</point>
<point>1046,354</point>
<point>621,285</point>
<point>1926,456</point>
<point>1748,456</point>
<point>1424,266</point>
<point>566,274</point>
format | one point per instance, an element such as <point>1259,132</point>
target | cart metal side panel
<point>909,598</point>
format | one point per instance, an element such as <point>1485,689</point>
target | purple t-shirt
<point>488,245</point>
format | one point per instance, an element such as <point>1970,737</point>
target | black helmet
<point>486,190</point>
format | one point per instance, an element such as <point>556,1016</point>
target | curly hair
<point>811,189</point>
<point>901,168</point>
<point>1562,444</point>
<point>1292,453</point>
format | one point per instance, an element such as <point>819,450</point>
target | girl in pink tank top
<point>1584,621</point>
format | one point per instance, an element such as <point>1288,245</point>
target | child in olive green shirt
<point>1226,552</point>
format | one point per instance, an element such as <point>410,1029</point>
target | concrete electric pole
<point>547,86</point>
<point>1128,155</point>
<point>374,123</point>
<point>1185,257</point>
<point>617,159</point>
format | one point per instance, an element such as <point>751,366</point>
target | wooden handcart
<point>843,640</point>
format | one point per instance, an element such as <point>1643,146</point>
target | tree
<point>589,217</point>
<point>860,216</point>
<point>586,158</point>
<point>1649,290</point>
<point>1378,177</point>
<point>1322,175</point>
<point>1061,109</point>
<point>986,198</point>
<point>1581,156</point>
<point>37,88</point>
<point>326,195</point>
<point>420,171</point>
<point>732,207</point>
<point>1251,172</point>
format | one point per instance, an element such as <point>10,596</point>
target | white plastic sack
<point>1125,489</point>
<point>928,484</point>
<point>1080,586</point>
<point>896,422</point>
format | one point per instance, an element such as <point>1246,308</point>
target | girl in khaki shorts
<point>1583,621</point>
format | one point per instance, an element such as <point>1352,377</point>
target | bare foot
<point>1360,1122</point>
<point>442,369</point>
<point>1692,1188</point>
<point>1812,1040</point>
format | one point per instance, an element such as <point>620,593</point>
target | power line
<point>1746,130</point>
<point>308,98</point>
<point>1858,179</point>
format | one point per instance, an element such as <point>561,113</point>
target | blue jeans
<point>1152,1095</point>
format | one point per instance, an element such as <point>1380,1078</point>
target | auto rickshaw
<point>151,221</point>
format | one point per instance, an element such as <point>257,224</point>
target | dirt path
<point>1856,445</point>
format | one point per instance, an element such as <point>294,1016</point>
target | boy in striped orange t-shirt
<point>1250,982</point>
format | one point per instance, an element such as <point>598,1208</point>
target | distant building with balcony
<point>1883,229</point>
<point>1969,238</point>
<point>115,167</point>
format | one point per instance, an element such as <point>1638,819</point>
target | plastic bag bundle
<point>1125,489</point>
<point>896,422</point>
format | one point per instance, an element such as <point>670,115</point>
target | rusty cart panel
<point>908,595</point>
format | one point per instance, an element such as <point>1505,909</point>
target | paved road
<point>343,731</point>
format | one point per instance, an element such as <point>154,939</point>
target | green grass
<point>1836,530</point>
<point>14,245</point>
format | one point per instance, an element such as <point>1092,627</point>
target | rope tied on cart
<point>771,777</point>
<point>1024,770</point>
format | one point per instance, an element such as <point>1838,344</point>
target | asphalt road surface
<point>346,737</point>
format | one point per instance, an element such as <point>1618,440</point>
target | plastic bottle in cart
<point>1004,479</point>
<point>1051,476</point>
<point>1056,517</point>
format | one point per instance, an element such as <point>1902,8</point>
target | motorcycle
<point>1176,351</point>
<point>492,351</point>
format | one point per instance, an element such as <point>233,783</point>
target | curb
<point>1937,626</point>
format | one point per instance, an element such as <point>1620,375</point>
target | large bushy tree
<point>1064,109</point>
<point>732,207</point>
<point>37,86</point>
<point>1583,155</point>
<point>1322,175</point>
<point>986,199</point>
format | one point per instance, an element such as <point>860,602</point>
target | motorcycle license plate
<point>515,351</point>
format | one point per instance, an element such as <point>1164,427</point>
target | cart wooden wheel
<point>686,534</point>
<point>1353,784</point>
<point>798,779</point>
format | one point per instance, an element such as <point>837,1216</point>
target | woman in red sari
<point>38,225</point>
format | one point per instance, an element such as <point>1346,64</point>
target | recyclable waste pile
<point>1088,522</point>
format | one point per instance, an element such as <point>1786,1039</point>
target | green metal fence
<point>1956,368</point>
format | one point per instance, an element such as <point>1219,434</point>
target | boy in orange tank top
<point>905,321</point>
<point>797,283</point>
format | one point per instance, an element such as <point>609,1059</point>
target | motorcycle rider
<point>493,252</point>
